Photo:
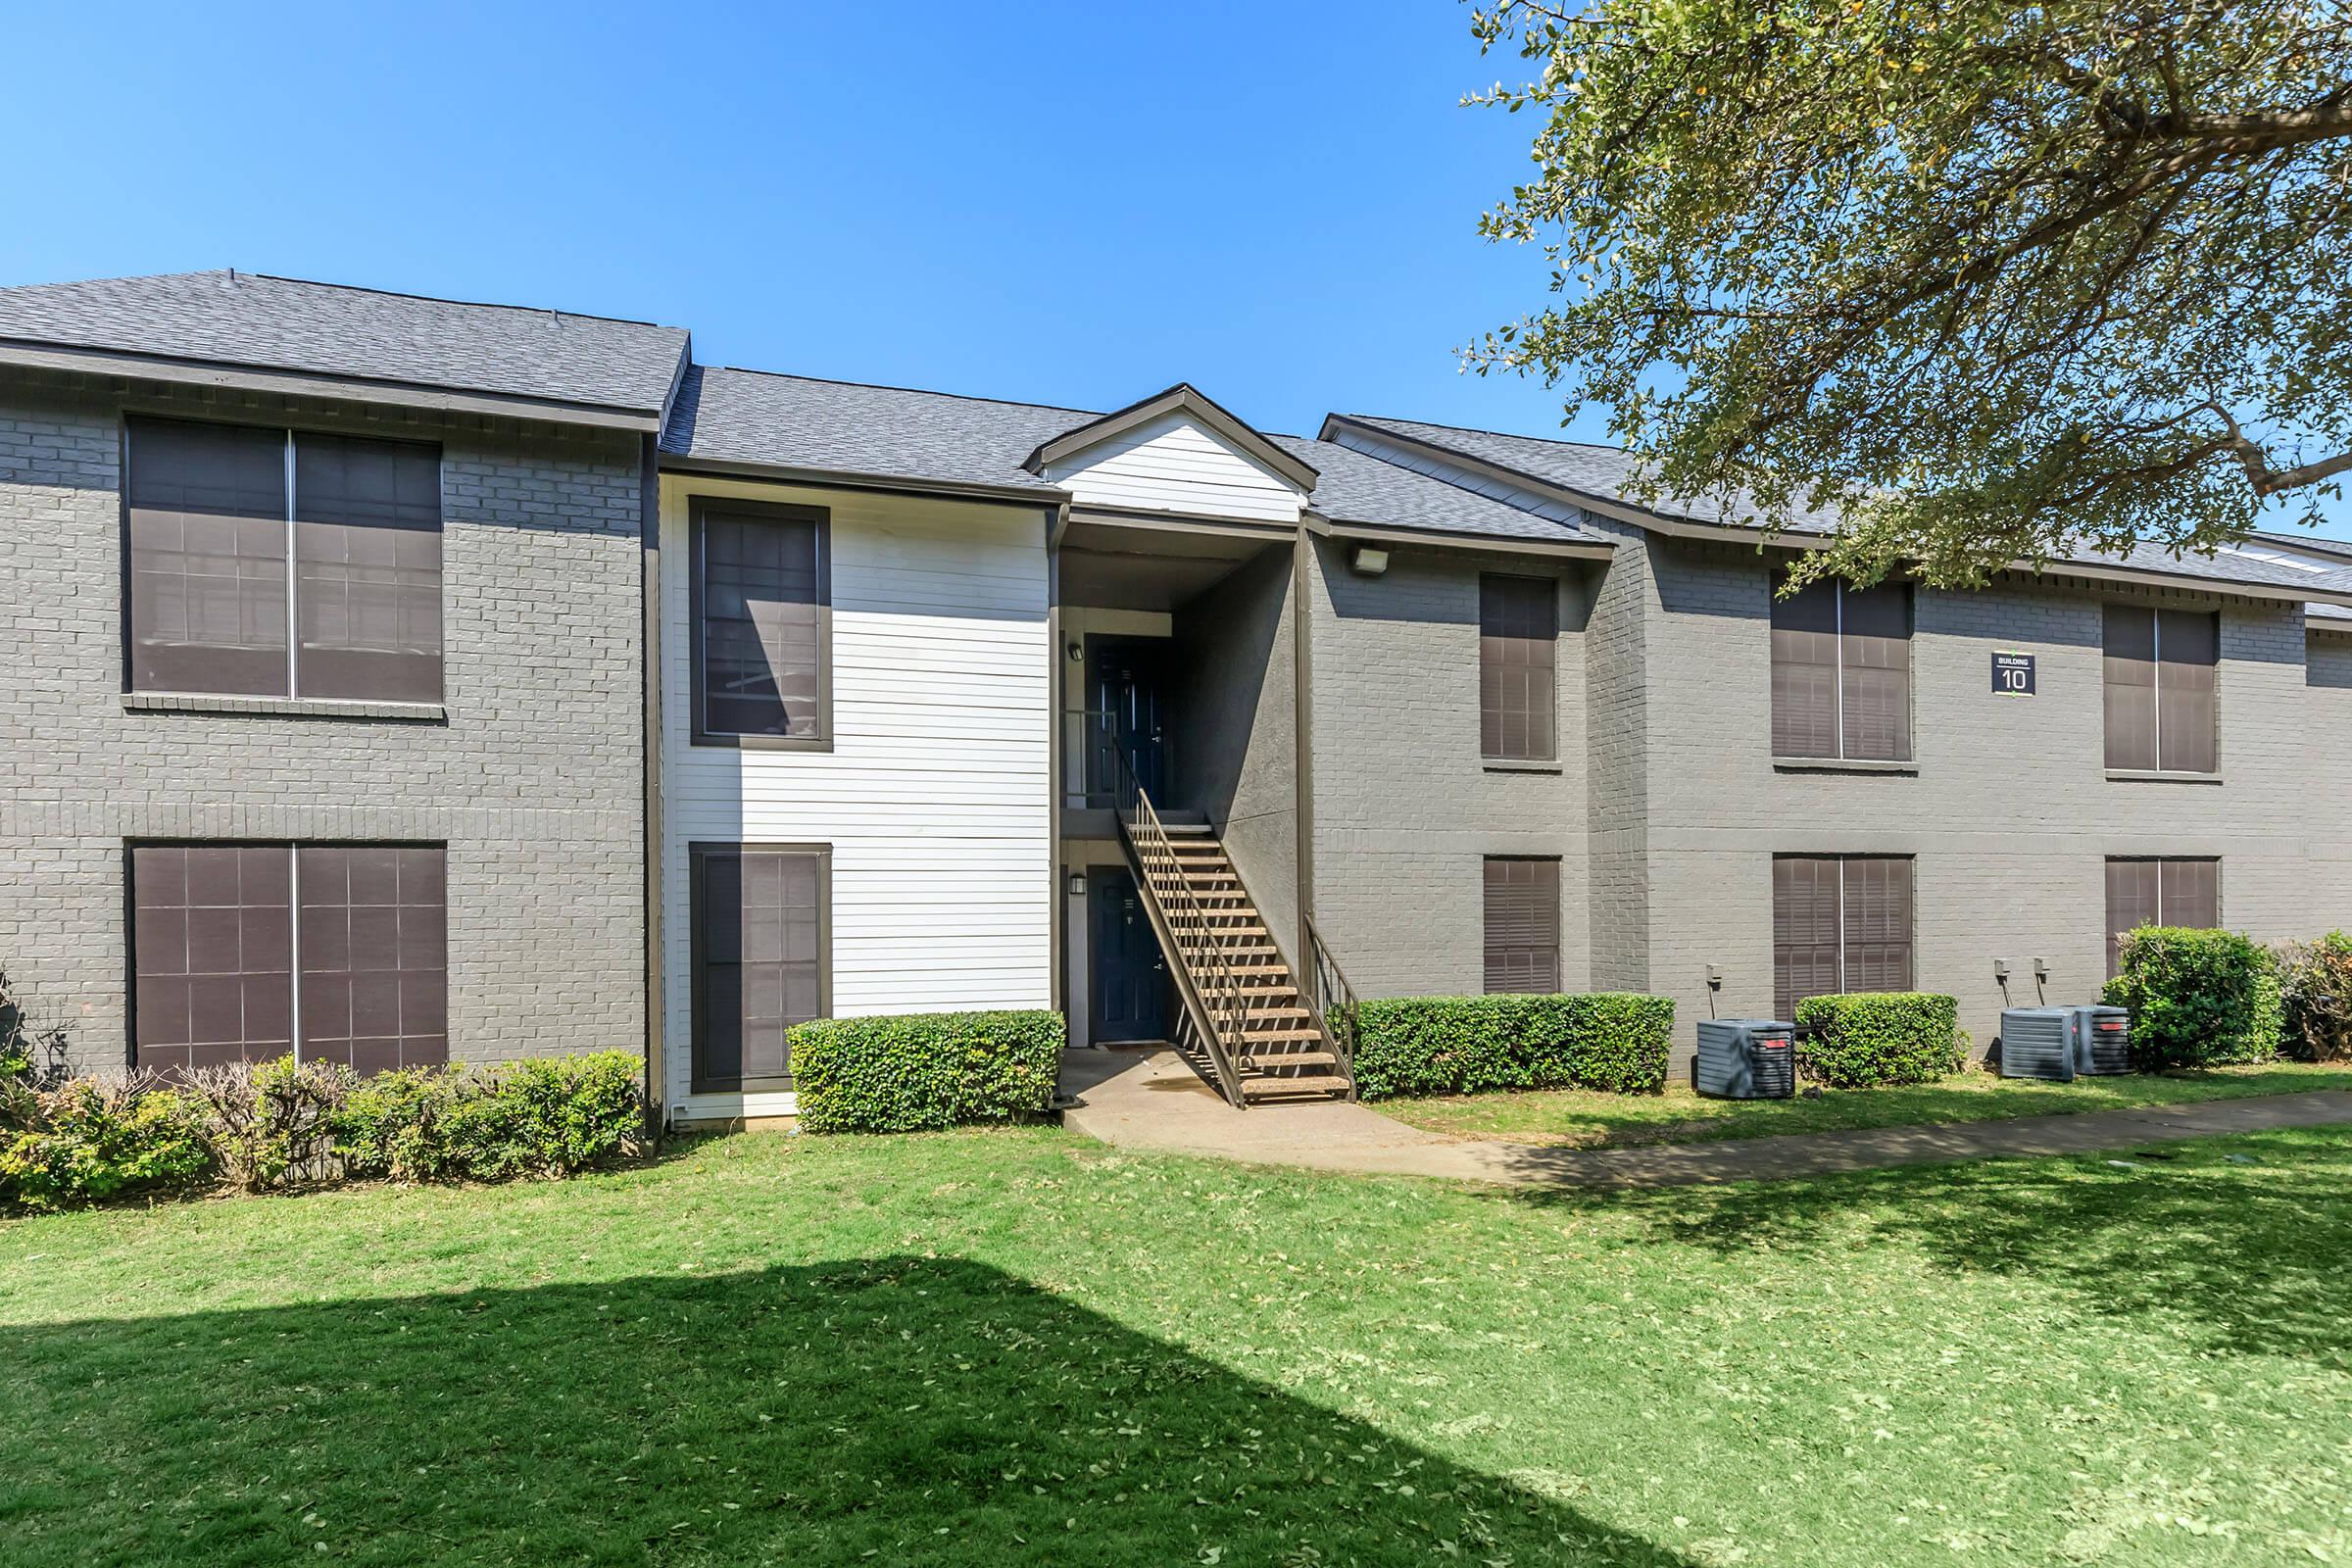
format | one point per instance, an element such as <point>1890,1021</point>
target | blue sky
<point>1073,204</point>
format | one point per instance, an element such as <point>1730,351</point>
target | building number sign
<point>2013,675</point>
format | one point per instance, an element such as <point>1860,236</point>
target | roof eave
<point>38,356</point>
<point>2078,570</point>
<point>1452,539</point>
<point>849,479</point>
<point>1688,528</point>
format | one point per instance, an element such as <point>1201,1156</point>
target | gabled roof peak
<point>1187,400</point>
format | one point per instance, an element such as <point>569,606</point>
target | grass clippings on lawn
<point>1581,1118</point>
<point>994,1347</point>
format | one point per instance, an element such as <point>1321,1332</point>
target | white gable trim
<point>1175,462</point>
<point>1182,398</point>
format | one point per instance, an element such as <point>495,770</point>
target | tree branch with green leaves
<point>1992,283</point>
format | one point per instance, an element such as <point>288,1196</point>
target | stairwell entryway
<point>1244,1021</point>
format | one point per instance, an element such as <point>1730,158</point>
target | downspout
<point>1057,521</point>
<point>657,1084</point>
<point>1302,734</point>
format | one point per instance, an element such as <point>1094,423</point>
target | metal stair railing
<point>1332,1000</point>
<point>1207,966</point>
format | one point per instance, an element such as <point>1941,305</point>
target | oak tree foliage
<point>2013,282</point>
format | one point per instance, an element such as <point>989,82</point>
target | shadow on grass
<point>1591,1120</point>
<point>2246,1253</point>
<point>915,1409</point>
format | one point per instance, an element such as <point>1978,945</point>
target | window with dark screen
<point>208,558</point>
<point>1518,642</point>
<point>760,966</point>
<point>1840,923</point>
<point>2162,689</point>
<point>760,624</point>
<point>270,562</point>
<point>374,934</point>
<point>2152,891</point>
<point>1523,925</point>
<point>1842,673</point>
<point>367,582</point>
<point>252,952</point>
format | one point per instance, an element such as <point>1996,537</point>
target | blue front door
<point>1127,709</point>
<point>1127,980</point>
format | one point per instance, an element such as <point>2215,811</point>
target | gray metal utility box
<point>1745,1058</point>
<point>2064,1043</point>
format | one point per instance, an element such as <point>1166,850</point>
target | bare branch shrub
<point>273,1125</point>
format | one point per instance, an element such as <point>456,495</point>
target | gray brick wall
<point>2010,812</point>
<point>2328,691</point>
<point>1405,810</point>
<point>1235,749</point>
<point>534,781</point>
<point>1669,809</point>
<point>1617,673</point>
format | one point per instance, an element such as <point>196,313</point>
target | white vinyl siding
<point>933,796</point>
<point>1172,464</point>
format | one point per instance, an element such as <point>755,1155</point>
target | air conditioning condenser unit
<point>2063,1044</point>
<point>1747,1059</point>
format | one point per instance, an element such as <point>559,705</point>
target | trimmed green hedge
<point>2198,999</point>
<point>278,1124</point>
<point>920,1071</point>
<point>1870,1039</point>
<point>87,1139</point>
<point>1617,1040</point>
<point>550,1117</point>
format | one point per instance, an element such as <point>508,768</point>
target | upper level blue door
<point>1126,707</point>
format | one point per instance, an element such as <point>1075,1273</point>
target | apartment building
<point>396,679</point>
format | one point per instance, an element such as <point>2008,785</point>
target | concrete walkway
<point>1150,1100</point>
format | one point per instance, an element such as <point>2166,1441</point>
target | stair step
<point>1254,1037</point>
<point>1306,1083</point>
<point>1262,1061</point>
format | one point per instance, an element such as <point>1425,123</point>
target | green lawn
<point>1585,1119</point>
<point>988,1349</point>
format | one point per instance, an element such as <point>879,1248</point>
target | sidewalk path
<point>1150,1100</point>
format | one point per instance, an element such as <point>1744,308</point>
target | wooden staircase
<point>1244,1009</point>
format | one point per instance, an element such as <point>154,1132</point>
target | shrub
<point>92,1138</point>
<point>272,1123</point>
<point>2197,999</point>
<point>392,1125</point>
<point>29,1061</point>
<point>1870,1039</point>
<point>1617,1040</point>
<point>2315,980</point>
<point>531,1118</point>
<point>924,1071</point>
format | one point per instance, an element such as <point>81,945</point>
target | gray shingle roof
<point>1357,487</point>
<point>1604,474</point>
<point>846,427</point>
<point>894,433</point>
<point>326,329</point>
<point>2336,549</point>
